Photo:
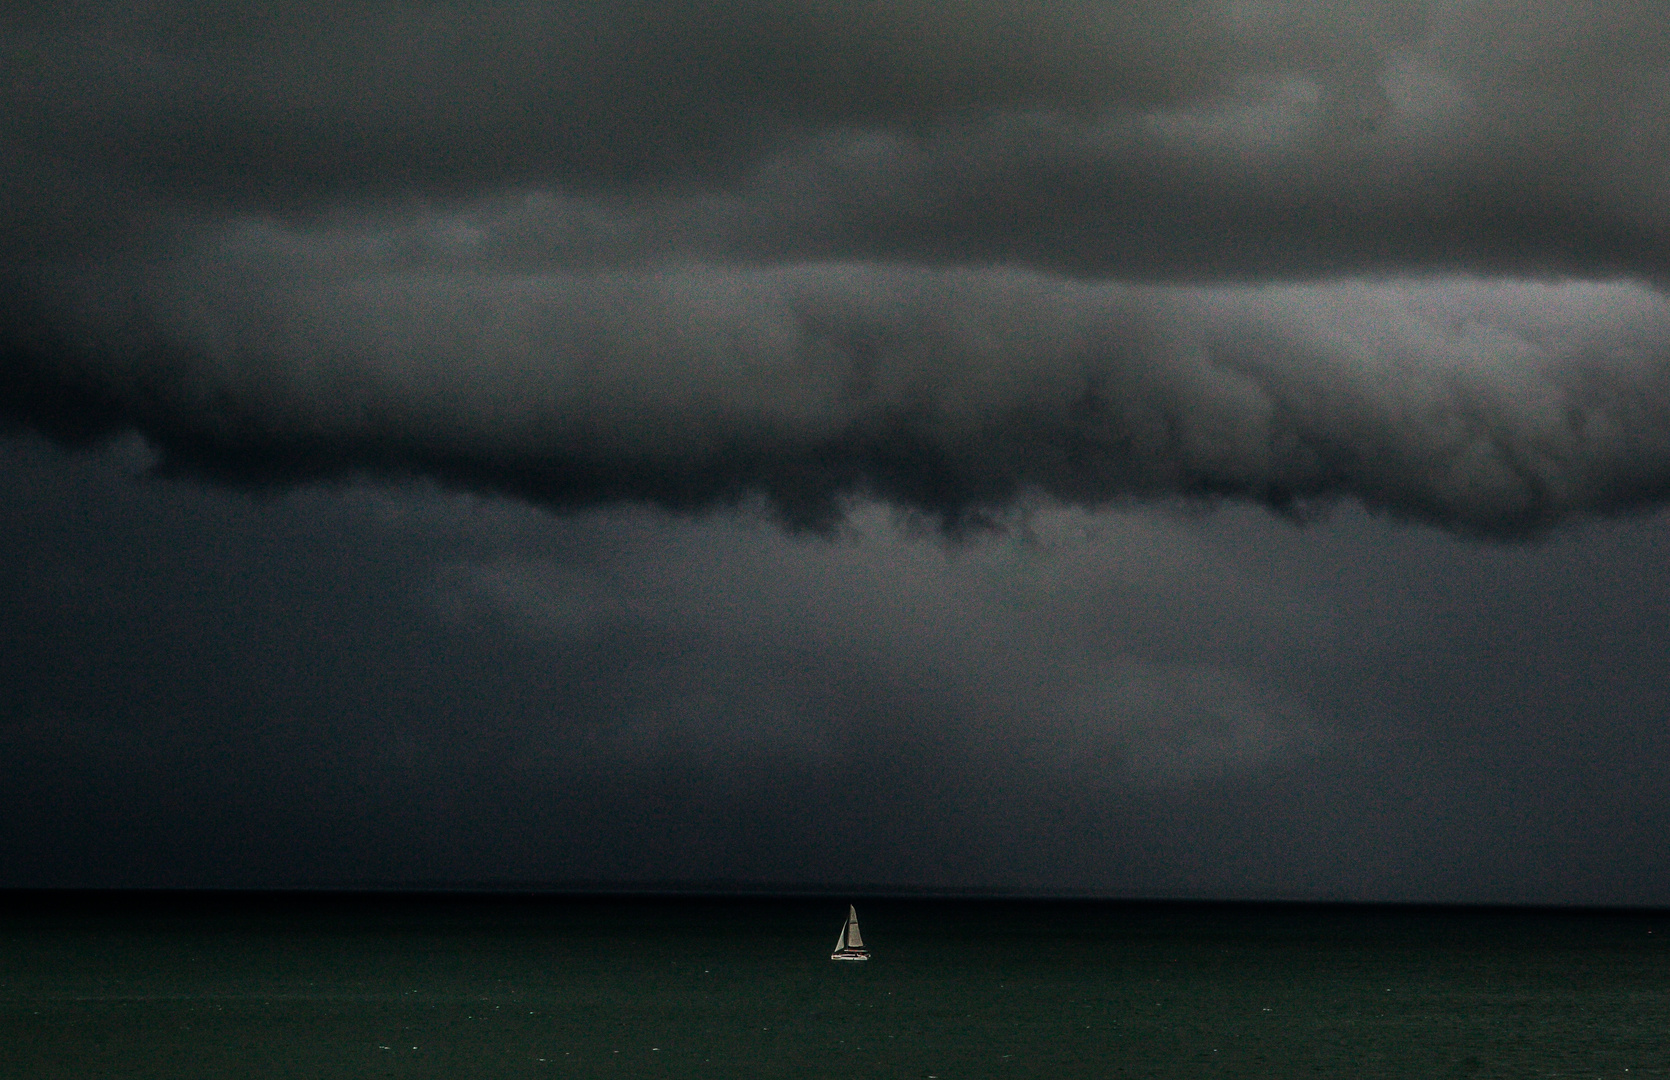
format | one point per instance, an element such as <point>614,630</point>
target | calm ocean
<point>389,986</point>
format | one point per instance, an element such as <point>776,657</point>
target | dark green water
<point>392,987</point>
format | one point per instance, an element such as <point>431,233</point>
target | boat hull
<point>849,955</point>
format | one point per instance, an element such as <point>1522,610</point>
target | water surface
<point>388,986</point>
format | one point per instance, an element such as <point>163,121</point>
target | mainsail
<point>850,945</point>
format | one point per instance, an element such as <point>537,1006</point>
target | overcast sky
<point>1193,449</point>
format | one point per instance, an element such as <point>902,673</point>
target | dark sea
<point>307,985</point>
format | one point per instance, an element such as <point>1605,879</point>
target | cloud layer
<point>1407,253</point>
<point>1487,407</point>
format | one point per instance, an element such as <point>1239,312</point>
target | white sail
<point>850,945</point>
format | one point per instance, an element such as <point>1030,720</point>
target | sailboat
<point>850,945</point>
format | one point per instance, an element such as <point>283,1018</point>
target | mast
<point>850,945</point>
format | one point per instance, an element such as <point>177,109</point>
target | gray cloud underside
<point>1485,407</point>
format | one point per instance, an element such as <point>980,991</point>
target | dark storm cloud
<point>1140,138</point>
<point>257,101</point>
<point>1484,407</point>
<point>1516,138</point>
<point>675,252</point>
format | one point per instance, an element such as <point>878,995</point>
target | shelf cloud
<point>1404,253</point>
<point>1485,407</point>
